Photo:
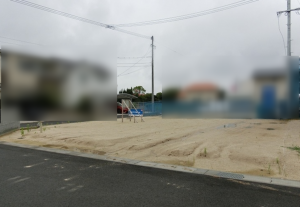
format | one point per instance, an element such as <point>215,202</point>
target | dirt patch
<point>259,172</point>
<point>245,146</point>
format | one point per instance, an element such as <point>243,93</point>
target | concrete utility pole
<point>289,51</point>
<point>152,38</point>
<point>289,23</point>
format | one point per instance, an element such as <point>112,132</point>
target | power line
<point>10,43</point>
<point>133,57</point>
<point>188,16</point>
<point>53,11</point>
<point>20,40</point>
<point>135,63</point>
<point>134,66</point>
<point>281,35</point>
<point>122,74</point>
<point>131,72</point>
<point>171,49</point>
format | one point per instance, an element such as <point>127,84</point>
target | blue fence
<point>149,108</point>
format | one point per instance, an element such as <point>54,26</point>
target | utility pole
<point>289,23</point>
<point>152,38</point>
<point>289,51</point>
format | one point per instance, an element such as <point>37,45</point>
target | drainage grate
<point>231,175</point>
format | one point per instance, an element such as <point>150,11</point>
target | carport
<point>127,98</point>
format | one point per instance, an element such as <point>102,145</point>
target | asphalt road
<point>36,178</point>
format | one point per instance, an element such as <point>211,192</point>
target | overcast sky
<point>251,29</point>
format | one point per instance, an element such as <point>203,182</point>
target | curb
<point>9,132</point>
<point>218,174</point>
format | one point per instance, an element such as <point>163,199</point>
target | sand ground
<point>256,147</point>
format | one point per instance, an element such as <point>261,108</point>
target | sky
<point>247,30</point>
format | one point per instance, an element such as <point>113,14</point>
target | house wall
<point>6,126</point>
<point>205,96</point>
<point>280,86</point>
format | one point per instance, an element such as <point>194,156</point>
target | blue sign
<point>136,112</point>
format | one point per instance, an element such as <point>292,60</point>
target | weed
<point>28,128</point>
<point>205,152</point>
<point>44,128</point>
<point>22,131</point>
<point>295,148</point>
<point>277,161</point>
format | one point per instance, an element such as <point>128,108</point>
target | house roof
<point>201,87</point>
<point>198,87</point>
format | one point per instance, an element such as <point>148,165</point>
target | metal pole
<point>122,110</point>
<point>289,51</point>
<point>152,38</point>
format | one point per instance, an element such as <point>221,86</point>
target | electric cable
<point>187,16</point>
<point>71,16</point>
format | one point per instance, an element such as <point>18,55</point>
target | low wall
<point>7,126</point>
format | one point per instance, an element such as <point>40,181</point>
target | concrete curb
<point>214,173</point>
<point>9,132</point>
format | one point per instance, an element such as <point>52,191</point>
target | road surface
<point>36,178</point>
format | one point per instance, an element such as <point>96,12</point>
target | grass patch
<point>295,148</point>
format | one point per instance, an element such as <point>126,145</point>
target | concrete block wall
<point>7,126</point>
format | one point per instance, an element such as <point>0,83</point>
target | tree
<point>139,90</point>
<point>171,94</point>
<point>128,91</point>
<point>141,94</point>
<point>159,96</point>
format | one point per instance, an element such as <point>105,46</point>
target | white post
<point>41,126</point>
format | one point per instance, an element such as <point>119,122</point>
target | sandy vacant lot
<point>257,147</point>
